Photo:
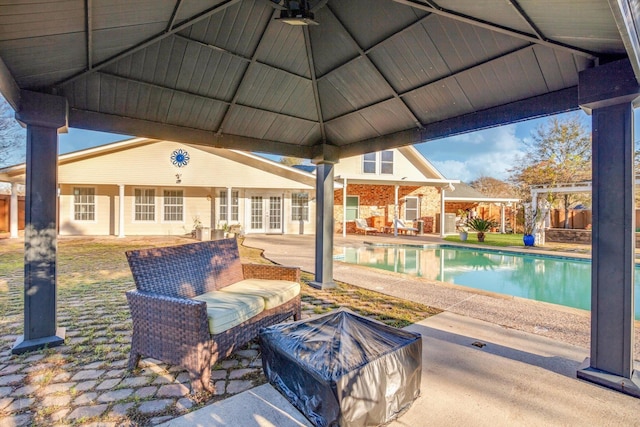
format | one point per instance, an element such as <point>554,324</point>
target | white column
<point>228,205</point>
<point>13,211</point>
<point>395,211</point>
<point>121,210</point>
<point>502,218</point>
<point>344,208</point>
<point>442,191</point>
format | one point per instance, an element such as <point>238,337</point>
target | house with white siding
<point>146,186</point>
<point>150,187</point>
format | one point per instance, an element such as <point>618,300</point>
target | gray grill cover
<point>342,369</point>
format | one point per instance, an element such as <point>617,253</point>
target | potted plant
<point>463,232</point>
<point>530,218</point>
<point>220,231</point>
<point>481,226</point>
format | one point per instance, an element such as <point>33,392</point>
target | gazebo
<point>327,79</point>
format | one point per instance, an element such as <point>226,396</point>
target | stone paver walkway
<point>51,387</point>
<point>85,381</point>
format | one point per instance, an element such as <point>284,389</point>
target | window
<point>84,204</point>
<point>411,209</point>
<point>300,206</point>
<point>223,205</point>
<point>145,204</point>
<point>352,208</point>
<point>173,205</point>
<point>369,163</point>
<point>381,163</point>
<point>386,162</point>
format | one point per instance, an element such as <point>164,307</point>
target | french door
<point>265,214</point>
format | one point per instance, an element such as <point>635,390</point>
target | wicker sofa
<point>196,303</point>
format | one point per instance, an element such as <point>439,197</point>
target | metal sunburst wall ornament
<point>180,158</point>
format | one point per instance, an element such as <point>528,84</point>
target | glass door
<point>265,214</point>
<point>275,214</point>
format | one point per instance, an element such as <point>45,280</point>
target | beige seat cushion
<point>274,292</point>
<point>226,310</point>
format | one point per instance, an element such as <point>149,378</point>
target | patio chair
<point>362,225</point>
<point>403,228</point>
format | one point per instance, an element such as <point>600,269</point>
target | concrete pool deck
<point>549,320</point>
<point>487,359</point>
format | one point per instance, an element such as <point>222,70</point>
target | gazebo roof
<point>373,74</point>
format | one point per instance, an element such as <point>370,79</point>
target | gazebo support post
<point>607,92</point>
<point>44,115</point>
<point>324,220</point>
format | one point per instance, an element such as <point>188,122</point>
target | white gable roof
<point>409,168</point>
<point>143,161</point>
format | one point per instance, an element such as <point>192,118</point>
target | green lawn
<point>490,239</point>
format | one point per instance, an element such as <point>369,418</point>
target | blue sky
<point>465,157</point>
<point>489,152</point>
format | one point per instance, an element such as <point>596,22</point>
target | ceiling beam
<point>88,8</point>
<point>174,15</point>
<point>497,28</point>
<point>627,17</point>
<point>528,20</point>
<point>238,56</point>
<point>314,83</point>
<point>538,106</point>
<point>382,76</point>
<point>368,50</point>
<point>196,95</point>
<point>8,87</point>
<point>148,129</point>
<point>412,90</point>
<point>151,40</point>
<point>236,94</point>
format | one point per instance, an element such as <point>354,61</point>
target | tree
<point>492,187</point>
<point>290,161</point>
<point>560,152</point>
<point>12,137</point>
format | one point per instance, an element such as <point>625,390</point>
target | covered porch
<point>369,76</point>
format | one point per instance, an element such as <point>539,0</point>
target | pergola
<point>259,75</point>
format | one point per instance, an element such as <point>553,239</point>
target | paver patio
<point>85,382</point>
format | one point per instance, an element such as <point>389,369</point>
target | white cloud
<point>466,157</point>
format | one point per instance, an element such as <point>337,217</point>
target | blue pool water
<point>559,280</point>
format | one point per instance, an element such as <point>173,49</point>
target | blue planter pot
<point>528,239</point>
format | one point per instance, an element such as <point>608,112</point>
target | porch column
<point>324,225</point>
<point>502,218</point>
<point>344,208</point>
<point>442,212</point>
<point>44,115</point>
<point>396,213</point>
<point>13,211</point>
<point>229,206</point>
<point>607,92</point>
<point>121,210</point>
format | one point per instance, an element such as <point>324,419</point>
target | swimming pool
<point>558,280</point>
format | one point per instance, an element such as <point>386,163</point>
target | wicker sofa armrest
<point>269,271</point>
<point>166,328</point>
